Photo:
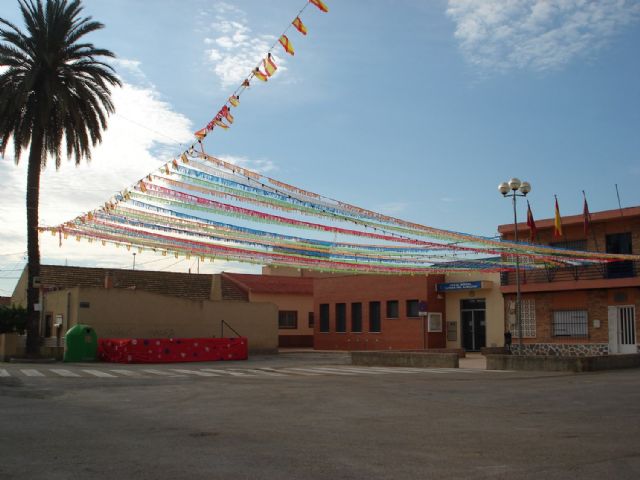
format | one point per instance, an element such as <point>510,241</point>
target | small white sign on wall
<point>434,322</point>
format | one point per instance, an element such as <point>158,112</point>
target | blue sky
<point>416,109</point>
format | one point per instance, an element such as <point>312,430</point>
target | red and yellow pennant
<point>299,25</point>
<point>320,4</point>
<point>286,44</point>
<point>234,100</point>
<point>269,65</point>
<point>259,75</point>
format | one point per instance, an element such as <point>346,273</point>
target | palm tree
<point>52,88</point>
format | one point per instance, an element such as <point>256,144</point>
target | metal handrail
<point>625,269</point>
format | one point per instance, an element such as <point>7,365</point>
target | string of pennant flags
<point>200,205</point>
<point>265,69</point>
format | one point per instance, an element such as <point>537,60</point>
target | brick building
<point>371,312</point>
<point>579,309</point>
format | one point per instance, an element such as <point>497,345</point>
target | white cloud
<point>536,34</point>
<point>234,51</point>
<point>260,165</point>
<point>392,208</point>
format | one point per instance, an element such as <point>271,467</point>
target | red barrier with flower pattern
<point>171,350</point>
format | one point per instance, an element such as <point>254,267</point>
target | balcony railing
<point>611,270</point>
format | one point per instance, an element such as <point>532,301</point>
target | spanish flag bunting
<point>234,100</point>
<point>221,124</point>
<point>259,75</point>
<point>150,178</point>
<point>174,162</point>
<point>269,65</point>
<point>143,187</point>
<point>89,216</point>
<point>286,44</point>
<point>201,133</point>
<point>226,113</point>
<point>245,83</point>
<point>557,223</point>
<point>320,4</point>
<point>184,158</point>
<point>299,25</point>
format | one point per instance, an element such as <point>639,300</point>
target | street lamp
<point>514,186</point>
<point>134,260</point>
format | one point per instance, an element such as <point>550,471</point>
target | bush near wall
<point>13,319</point>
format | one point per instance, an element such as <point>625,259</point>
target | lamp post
<point>514,186</point>
<point>134,260</point>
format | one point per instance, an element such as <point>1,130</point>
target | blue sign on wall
<point>445,287</point>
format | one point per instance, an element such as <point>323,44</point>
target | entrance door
<point>473,319</point>
<point>622,330</point>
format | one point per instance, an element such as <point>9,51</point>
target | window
<point>341,317</point>
<point>392,309</point>
<point>356,317</point>
<point>311,320</point>
<point>287,319</point>
<point>413,308</point>
<point>374,317</point>
<point>570,244</point>
<point>324,317</point>
<point>528,315</point>
<point>619,243</point>
<point>570,323</point>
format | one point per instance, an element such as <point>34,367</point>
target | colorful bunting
<point>234,100</point>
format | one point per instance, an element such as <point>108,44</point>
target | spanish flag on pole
<point>557,223</point>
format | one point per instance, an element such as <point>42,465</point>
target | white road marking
<point>63,373</point>
<point>233,373</point>
<point>265,373</point>
<point>365,370</point>
<point>325,370</point>
<point>162,373</point>
<point>32,373</point>
<point>98,373</point>
<point>4,373</point>
<point>126,373</point>
<point>194,372</point>
<point>298,372</point>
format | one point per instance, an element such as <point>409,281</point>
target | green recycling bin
<point>80,344</point>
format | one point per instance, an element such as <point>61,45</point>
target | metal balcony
<point>625,269</point>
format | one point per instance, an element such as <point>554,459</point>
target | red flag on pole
<point>533,231</point>
<point>587,216</point>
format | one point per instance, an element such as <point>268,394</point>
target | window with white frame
<point>570,323</point>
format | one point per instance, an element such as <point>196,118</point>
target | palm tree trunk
<point>33,246</point>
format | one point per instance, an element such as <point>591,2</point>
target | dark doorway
<point>619,243</point>
<point>473,318</point>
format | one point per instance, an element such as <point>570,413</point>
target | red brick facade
<point>401,333</point>
<point>591,289</point>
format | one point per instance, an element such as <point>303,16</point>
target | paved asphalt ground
<point>313,416</point>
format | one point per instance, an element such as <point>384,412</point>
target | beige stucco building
<point>147,304</point>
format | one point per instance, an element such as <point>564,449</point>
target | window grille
<point>570,323</point>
